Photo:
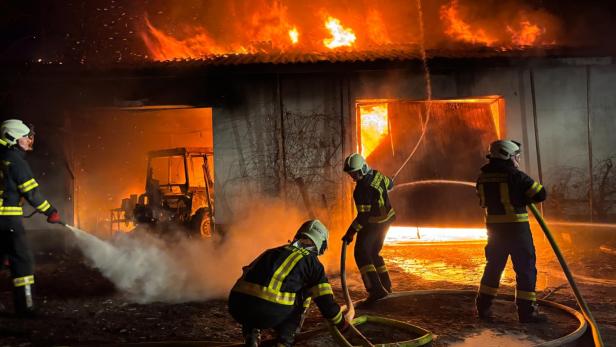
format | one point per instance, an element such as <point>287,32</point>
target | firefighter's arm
<point>363,203</point>
<point>29,188</point>
<point>389,183</point>
<point>534,191</point>
<point>321,292</point>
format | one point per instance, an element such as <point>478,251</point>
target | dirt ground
<point>78,306</point>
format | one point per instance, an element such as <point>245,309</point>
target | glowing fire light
<point>341,36</point>
<point>373,125</point>
<point>459,29</point>
<point>527,35</point>
<point>429,234</point>
<point>294,35</point>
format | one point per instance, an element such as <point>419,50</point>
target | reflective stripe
<point>44,206</point>
<point>320,290</point>
<point>382,219</point>
<point>11,211</point>
<point>337,318</point>
<point>307,302</point>
<point>3,143</point>
<point>487,290</point>
<point>482,195</point>
<point>28,185</point>
<point>356,226</point>
<point>534,189</point>
<point>265,293</point>
<point>530,296</point>
<point>381,268</point>
<point>283,270</point>
<point>23,281</point>
<point>507,218</point>
<point>364,208</point>
<point>367,268</point>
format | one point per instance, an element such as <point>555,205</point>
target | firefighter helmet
<point>355,162</point>
<point>504,149</point>
<point>316,232</point>
<point>13,129</point>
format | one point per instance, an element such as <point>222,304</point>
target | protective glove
<point>343,326</point>
<point>54,218</point>
<point>348,237</point>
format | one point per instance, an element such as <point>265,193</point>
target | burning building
<point>285,90</point>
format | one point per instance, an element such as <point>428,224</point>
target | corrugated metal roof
<point>383,53</point>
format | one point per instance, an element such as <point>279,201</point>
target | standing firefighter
<point>276,288</point>
<point>374,215</point>
<point>17,182</point>
<point>504,191</point>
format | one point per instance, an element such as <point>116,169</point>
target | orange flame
<point>459,29</point>
<point>294,35</point>
<point>527,35</point>
<point>341,36</point>
<point>374,126</point>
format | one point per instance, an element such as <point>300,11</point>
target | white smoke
<point>147,269</point>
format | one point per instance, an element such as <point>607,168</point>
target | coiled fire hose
<point>578,296</point>
<point>424,338</point>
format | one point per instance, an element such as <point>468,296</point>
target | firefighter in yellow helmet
<point>275,290</point>
<point>504,191</point>
<point>17,182</point>
<point>374,215</point>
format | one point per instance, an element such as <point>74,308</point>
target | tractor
<point>178,193</point>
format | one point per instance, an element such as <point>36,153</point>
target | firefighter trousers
<point>254,313</point>
<point>14,248</point>
<point>504,240</point>
<point>368,257</point>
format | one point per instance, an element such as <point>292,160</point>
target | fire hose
<point>425,336</point>
<point>578,296</point>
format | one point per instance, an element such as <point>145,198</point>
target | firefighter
<point>17,182</point>
<point>504,191</point>
<point>276,289</point>
<point>374,215</point>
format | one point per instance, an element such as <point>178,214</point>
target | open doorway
<point>126,159</point>
<point>435,150</point>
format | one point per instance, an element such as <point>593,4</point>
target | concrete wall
<point>283,134</point>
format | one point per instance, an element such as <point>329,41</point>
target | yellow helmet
<point>315,231</point>
<point>13,129</point>
<point>355,162</point>
<point>504,149</point>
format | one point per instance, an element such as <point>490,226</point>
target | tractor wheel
<point>201,224</point>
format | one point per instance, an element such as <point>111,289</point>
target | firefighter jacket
<point>504,191</point>
<point>289,276</point>
<point>16,182</point>
<point>372,200</point>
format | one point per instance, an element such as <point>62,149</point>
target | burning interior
<point>446,142</point>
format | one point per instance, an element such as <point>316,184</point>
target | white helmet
<point>315,231</point>
<point>13,129</point>
<point>355,162</point>
<point>504,149</point>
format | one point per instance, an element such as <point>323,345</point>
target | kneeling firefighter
<point>374,215</point>
<point>17,182</point>
<point>276,289</point>
<point>504,191</point>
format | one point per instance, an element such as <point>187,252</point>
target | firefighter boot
<point>385,281</point>
<point>528,312</point>
<point>252,337</point>
<point>22,299</point>
<point>483,304</point>
<point>373,286</point>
